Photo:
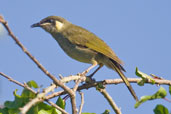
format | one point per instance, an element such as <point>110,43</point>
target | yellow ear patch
<point>59,25</point>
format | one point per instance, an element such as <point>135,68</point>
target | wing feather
<point>79,36</point>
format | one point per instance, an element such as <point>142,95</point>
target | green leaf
<point>12,107</point>
<point>42,108</point>
<point>33,84</point>
<point>28,94</point>
<point>51,111</point>
<point>4,111</point>
<point>170,90</point>
<point>13,111</point>
<point>61,103</point>
<point>161,93</point>
<point>144,77</point>
<point>34,109</point>
<point>18,102</point>
<point>160,109</point>
<point>45,112</point>
<point>106,112</point>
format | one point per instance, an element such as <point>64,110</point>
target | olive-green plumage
<point>82,45</point>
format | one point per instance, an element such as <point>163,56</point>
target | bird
<point>84,46</point>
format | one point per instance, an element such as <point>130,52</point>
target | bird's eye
<point>50,21</point>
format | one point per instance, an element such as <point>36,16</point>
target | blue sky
<point>137,30</point>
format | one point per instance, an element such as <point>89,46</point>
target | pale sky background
<point>137,30</point>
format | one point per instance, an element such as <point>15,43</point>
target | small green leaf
<point>4,111</point>
<point>144,77</point>
<point>33,84</point>
<point>106,112</point>
<point>15,93</point>
<point>170,90</point>
<point>34,109</point>
<point>51,111</point>
<point>28,94</point>
<point>13,111</point>
<point>16,103</point>
<point>161,93</point>
<point>61,103</point>
<point>160,109</point>
<point>45,112</point>
<point>141,82</point>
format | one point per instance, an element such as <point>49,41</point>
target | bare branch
<point>57,107</point>
<point>110,101</point>
<point>73,102</point>
<point>109,82</point>
<point>82,102</point>
<point>135,80</point>
<point>81,79</point>
<point>18,83</point>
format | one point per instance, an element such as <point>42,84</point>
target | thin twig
<point>82,102</point>
<point>33,102</point>
<point>75,89</point>
<point>18,83</point>
<point>77,84</point>
<point>73,102</point>
<point>110,101</point>
<point>57,107</point>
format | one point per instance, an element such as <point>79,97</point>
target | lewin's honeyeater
<point>83,46</point>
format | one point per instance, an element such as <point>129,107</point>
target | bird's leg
<point>86,71</point>
<point>92,74</point>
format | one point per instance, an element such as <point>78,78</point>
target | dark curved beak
<point>35,25</point>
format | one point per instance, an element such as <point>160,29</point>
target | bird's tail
<point>118,68</point>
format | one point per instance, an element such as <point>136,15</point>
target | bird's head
<point>52,24</point>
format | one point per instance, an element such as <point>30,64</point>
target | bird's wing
<point>84,38</point>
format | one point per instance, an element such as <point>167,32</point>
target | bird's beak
<point>36,25</point>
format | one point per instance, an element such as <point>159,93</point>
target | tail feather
<point>118,68</point>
